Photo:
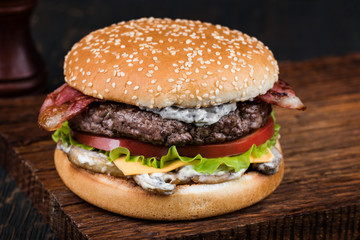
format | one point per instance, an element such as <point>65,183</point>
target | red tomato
<point>236,147</point>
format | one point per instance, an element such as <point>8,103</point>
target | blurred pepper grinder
<point>22,70</point>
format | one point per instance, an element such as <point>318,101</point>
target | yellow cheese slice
<point>264,158</point>
<point>134,168</point>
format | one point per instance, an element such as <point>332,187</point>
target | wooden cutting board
<point>318,198</point>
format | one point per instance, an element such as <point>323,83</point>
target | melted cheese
<point>135,168</point>
<point>265,158</point>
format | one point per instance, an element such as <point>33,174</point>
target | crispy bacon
<point>61,105</point>
<point>282,95</point>
<point>66,102</point>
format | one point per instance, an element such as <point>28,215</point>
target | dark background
<point>293,29</point>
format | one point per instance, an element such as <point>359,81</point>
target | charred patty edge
<point>121,120</point>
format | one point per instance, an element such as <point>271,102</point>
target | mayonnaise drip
<point>197,116</point>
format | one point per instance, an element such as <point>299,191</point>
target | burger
<point>168,119</point>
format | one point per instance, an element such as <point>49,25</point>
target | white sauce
<point>62,147</point>
<point>90,160</point>
<point>197,116</point>
<point>188,172</point>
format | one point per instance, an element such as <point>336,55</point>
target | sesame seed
<point>176,36</point>
<point>113,85</point>
<point>128,82</point>
<point>159,88</point>
<point>90,84</point>
<point>107,90</point>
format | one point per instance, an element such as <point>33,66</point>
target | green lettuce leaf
<point>63,134</point>
<point>201,164</point>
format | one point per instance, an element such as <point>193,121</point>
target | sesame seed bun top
<point>154,62</point>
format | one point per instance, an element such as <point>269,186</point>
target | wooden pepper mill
<point>22,70</point>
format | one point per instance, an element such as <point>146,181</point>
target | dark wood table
<point>319,197</point>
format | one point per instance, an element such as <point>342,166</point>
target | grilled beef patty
<point>122,120</point>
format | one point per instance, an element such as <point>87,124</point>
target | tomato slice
<point>236,147</point>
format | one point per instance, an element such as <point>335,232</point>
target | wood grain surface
<point>319,197</point>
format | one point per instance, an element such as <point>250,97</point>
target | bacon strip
<point>61,105</point>
<point>66,102</point>
<point>282,95</point>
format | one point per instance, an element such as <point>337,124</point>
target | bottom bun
<point>194,201</point>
